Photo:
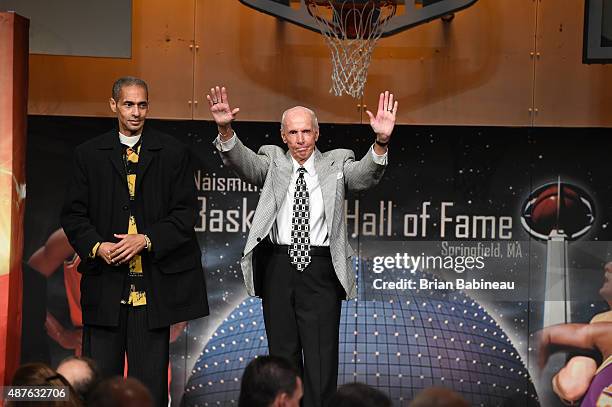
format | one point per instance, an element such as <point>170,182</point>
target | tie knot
<point>301,171</point>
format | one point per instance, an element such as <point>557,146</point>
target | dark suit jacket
<point>97,205</point>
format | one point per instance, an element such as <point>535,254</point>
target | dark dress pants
<point>146,349</point>
<point>302,318</point>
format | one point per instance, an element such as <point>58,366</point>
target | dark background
<point>483,170</point>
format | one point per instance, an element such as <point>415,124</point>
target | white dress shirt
<point>281,230</point>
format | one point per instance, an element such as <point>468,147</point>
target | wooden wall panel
<point>267,65</point>
<point>568,92</point>
<point>475,70</point>
<point>81,86</point>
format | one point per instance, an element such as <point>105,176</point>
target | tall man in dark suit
<point>129,213</point>
<point>297,257</point>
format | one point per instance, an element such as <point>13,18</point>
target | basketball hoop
<point>351,29</point>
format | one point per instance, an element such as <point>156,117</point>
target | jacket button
<point>125,207</point>
<point>259,239</point>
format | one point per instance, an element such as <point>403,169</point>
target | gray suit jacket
<point>270,169</point>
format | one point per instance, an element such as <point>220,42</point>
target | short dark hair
<point>264,378</point>
<point>438,397</point>
<point>120,392</point>
<point>359,395</point>
<point>128,81</point>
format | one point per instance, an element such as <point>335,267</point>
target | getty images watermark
<point>399,266</point>
<point>411,263</point>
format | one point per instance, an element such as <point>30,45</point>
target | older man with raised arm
<point>297,257</point>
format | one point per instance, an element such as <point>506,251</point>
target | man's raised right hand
<point>221,111</point>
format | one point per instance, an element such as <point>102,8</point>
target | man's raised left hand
<point>384,121</point>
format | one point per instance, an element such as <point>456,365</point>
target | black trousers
<point>302,317</point>
<point>146,349</point>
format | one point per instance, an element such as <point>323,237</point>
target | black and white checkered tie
<point>299,249</point>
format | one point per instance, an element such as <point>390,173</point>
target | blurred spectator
<point>270,381</point>
<point>120,392</point>
<point>81,372</point>
<point>438,397</point>
<point>359,395</point>
<point>39,374</point>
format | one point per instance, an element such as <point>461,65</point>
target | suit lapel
<point>110,143</point>
<point>284,170</point>
<point>115,158</point>
<point>150,143</point>
<point>327,180</point>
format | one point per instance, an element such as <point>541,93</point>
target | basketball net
<point>351,29</point>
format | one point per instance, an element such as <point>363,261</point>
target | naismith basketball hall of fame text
<point>438,246</point>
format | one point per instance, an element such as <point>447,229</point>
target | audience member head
<point>359,395</point>
<point>120,392</point>
<point>39,374</point>
<point>270,381</point>
<point>438,397</point>
<point>81,372</point>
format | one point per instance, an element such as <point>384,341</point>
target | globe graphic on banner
<point>399,344</point>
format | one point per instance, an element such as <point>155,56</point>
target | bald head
<point>299,110</point>
<point>74,370</point>
<point>80,372</point>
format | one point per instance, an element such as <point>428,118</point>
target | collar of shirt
<point>308,165</point>
<point>129,141</point>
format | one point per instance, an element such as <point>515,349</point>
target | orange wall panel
<point>267,65</point>
<point>568,92</point>
<point>482,68</point>
<point>474,70</point>
<point>161,55</point>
